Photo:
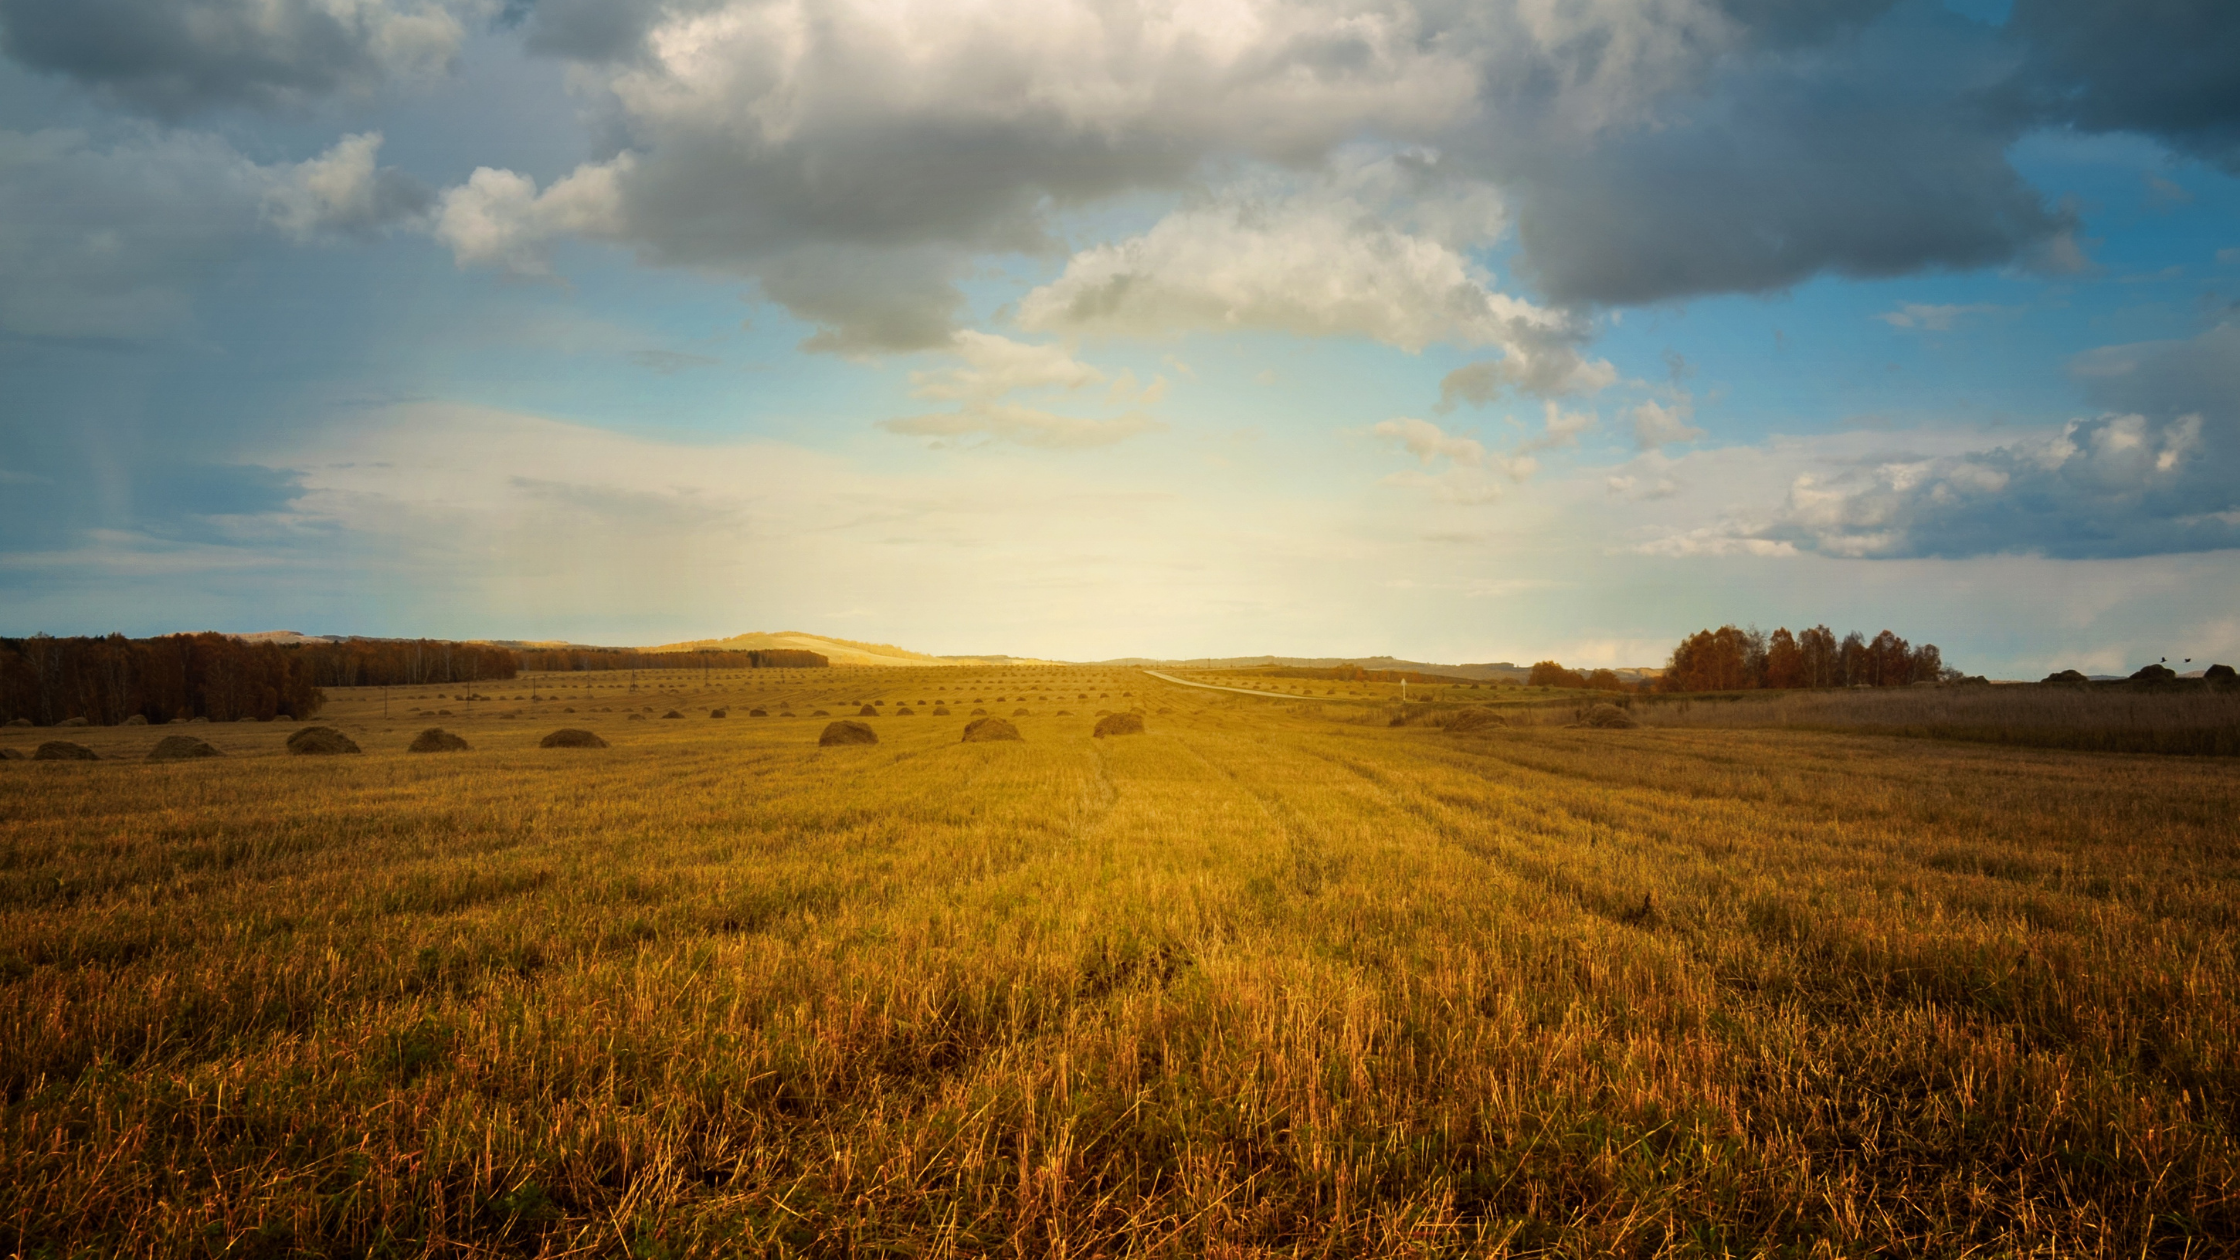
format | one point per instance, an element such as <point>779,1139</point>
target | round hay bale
<point>637,717</point>
<point>12,754</point>
<point>714,713</point>
<point>819,713</point>
<point>988,729</point>
<point>906,711</point>
<point>64,750</point>
<point>137,719</point>
<point>19,722</point>
<point>437,739</point>
<point>979,712</point>
<point>1609,717</point>
<point>867,711</point>
<point>671,714</point>
<point>758,713</point>
<point>845,731</point>
<point>570,737</point>
<point>1119,724</point>
<point>1478,719</point>
<point>73,721</point>
<point>181,748</point>
<point>1063,713</point>
<point>940,711</point>
<point>320,741</point>
<point>1020,713</point>
<point>197,718</point>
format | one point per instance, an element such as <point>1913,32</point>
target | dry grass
<point>1254,983</point>
<point>2099,719</point>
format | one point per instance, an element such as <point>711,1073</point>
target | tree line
<point>168,679</point>
<point>406,662</point>
<point>1730,659</point>
<point>1550,674</point>
<point>588,660</point>
<point>176,677</point>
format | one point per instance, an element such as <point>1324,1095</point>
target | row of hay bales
<point>980,730</point>
<point>326,741</point>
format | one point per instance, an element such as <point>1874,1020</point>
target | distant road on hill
<point>1242,691</point>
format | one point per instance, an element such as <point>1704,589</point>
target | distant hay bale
<point>1119,724</point>
<point>12,754</point>
<point>19,722</point>
<point>845,731</point>
<point>671,714</point>
<point>64,750</point>
<point>819,713</point>
<point>73,721</point>
<point>2067,677</point>
<point>906,711</point>
<point>940,711</point>
<point>570,737</point>
<point>989,729</point>
<point>2220,674</point>
<point>137,719</point>
<point>436,739</point>
<point>181,748</point>
<point>1608,717</point>
<point>197,718</point>
<point>867,711</point>
<point>1478,719</point>
<point>320,741</point>
<point>979,712</point>
<point>637,717</point>
<point>1020,713</point>
<point>1064,713</point>
<point>785,713</point>
<point>717,713</point>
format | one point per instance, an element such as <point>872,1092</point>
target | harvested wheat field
<point>1275,977</point>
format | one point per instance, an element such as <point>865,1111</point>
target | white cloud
<point>499,218</point>
<point>1474,474</point>
<point>343,190</point>
<point>1330,260</point>
<point>990,368</point>
<point>1931,318</point>
<point>2112,485</point>
<point>1428,442</point>
<point>1659,424</point>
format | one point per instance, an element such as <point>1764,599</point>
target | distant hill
<point>838,651</point>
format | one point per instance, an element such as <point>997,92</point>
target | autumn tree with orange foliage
<point>1732,659</point>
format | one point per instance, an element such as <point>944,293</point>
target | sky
<point>1463,332</point>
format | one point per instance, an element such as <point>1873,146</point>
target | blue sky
<point>1459,332</point>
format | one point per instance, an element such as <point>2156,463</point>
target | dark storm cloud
<point>1875,156</point>
<point>584,30</point>
<point>173,57</point>
<point>2165,68</point>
